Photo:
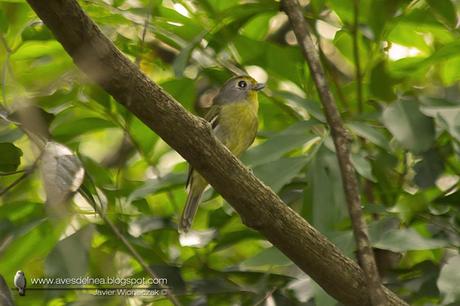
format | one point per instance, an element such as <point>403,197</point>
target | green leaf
<point>36,49</point>
<point>283,61</point>
<point>257,27</point>
<point>447,116</point>
<point>275,116</point>
<point>280,172</point>
<point>177,24</point>
<point>343,40</point>
<point>67,130</point>
<point>10,133</point>
<point>417,67</point>
<point>21,211</point>
<point>268,257</point>
<point>183,90</point>
<point>3,22</point>
<point>30,243</point>
<point>250,51</point>
<point>387,10</point>
<point>363,166</point>
<point>401,240</point>
<point>324,197</point>
<point>403,34</point>
<point>143,137</point>
<point>229,239</point>
<point>219,5</point>
<point>214,287</point>
<point>158,185</point>
<point>99,174</point>
<point>117,3</point>
<point>409,205</point>
<point>446,10</point>
<point>449,71</point>
<point>10,157</point>
<point>295,136</point>
<point>344,9</point>
<point>148,224</point>
<point>312,107</point>
<point>36,31</point>
<point>381,82</point>
<point>428,169</point>
<point>413,130</point>
<point>447,51</point>
<point>69,258</point>
<point>181,60</point>
<point>451,199</point>
<point>373,134</point>
<point>99,95</point>
<point>409,67</point>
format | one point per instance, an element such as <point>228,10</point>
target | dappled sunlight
<point>91,184</point>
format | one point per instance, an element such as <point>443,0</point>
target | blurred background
<point>393,67</point>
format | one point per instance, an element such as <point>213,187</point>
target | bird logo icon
<point>20,282</point>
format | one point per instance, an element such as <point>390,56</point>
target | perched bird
<point>233,118</point>
<point>20,282</point>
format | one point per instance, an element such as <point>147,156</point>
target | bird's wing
<point>19,281</point>
<point>213,117</point>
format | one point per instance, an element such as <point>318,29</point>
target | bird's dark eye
<point>242,84</point>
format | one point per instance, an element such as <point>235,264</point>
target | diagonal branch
<point>339,135</point>
<point>259,207</point>
<point>87,195</point>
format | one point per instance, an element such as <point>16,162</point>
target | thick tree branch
<point>259,207</point>
<point>339,135</point>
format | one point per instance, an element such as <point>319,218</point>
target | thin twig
<point>339,135</point>
<point>12,172</point>
<point>332,72</point>
<point>128,245</point>
<point>5,44</point>
<point>144,33</point>
<point>17,181</point>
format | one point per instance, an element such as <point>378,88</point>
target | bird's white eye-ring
<point>242,84</point>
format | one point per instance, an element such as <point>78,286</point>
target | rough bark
<point>339,136</point>
<point>259,207</point>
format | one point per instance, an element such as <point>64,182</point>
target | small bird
<point>20,282</point>
<point>233,119</point>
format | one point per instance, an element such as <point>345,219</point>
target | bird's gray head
<point>238,89</point>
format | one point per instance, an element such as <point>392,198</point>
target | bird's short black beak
<point>258,86</point>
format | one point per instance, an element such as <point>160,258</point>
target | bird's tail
<point>22,291</point>
<point>191,206</point>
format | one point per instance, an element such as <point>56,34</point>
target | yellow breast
<point>237,125</point>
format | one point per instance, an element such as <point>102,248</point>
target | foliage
<point>405,127</point>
